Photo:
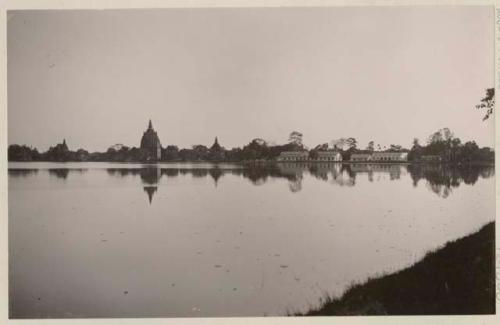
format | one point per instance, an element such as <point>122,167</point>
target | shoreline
<point>455,279</point>
<point>271,163</point>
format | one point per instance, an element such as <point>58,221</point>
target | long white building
<point>323,156</point>
<point>293,156</point>
<point>329,156</point>
<point>335,156</point>
<point>361,157</point>
<point>380,156</point>
<point>389,156</point>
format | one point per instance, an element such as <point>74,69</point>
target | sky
<point>382,74</point>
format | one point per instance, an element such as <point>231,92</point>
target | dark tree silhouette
<point>371,146</point>
<point>295,138</point>
<point>488,103</point>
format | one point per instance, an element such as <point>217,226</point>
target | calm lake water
<point>123,240</point>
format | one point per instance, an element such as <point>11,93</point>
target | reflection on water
<point>117,240</point>
<point>15,172</point>
<point>439,179</point>
<point>63,173</point>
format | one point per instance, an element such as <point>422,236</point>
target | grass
<point>458,278</point>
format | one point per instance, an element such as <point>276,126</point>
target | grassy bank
<point>456,279</point>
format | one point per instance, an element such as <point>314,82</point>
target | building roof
<point>380,153</point>
<point>293,153</point>
<point>328,153</point>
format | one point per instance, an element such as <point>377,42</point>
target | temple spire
<point>216,146</point>
<point>150,144</point>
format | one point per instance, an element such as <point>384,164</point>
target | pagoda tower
<point>150,143</point>
<point>216,146</point>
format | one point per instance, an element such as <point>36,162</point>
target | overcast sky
<point>381,74</point>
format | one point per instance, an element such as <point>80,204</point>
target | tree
<point>395,147</point>
<point>295,138</point>
<point>450,149</point>
<point>416,150</point>
<point>81,155</point>
<point>488,103</point>
<point>200,152</point>
<point>436,137</point>
<point>339,143</point>
<point>470,151</point>
<point>447,134</point>
<point>187,155</point>
<point>22,153</point>
<point>313,154</point>
<point>170,153</point>
<point>256,149</point>
<point>259,141</point>
<point>321,147</point>
<point>371,146</point>
<point>352,143</point>
<point>455,143</point>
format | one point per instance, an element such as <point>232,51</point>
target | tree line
<point>441,145</point>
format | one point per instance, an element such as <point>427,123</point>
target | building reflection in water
<point>215,173</point>
<point>439,179</point>
<point>334,173</point>
<point>150,178</point>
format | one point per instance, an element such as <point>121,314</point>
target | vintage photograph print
<point>250,162</point>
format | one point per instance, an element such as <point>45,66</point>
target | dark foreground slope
<point>456,279</point>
